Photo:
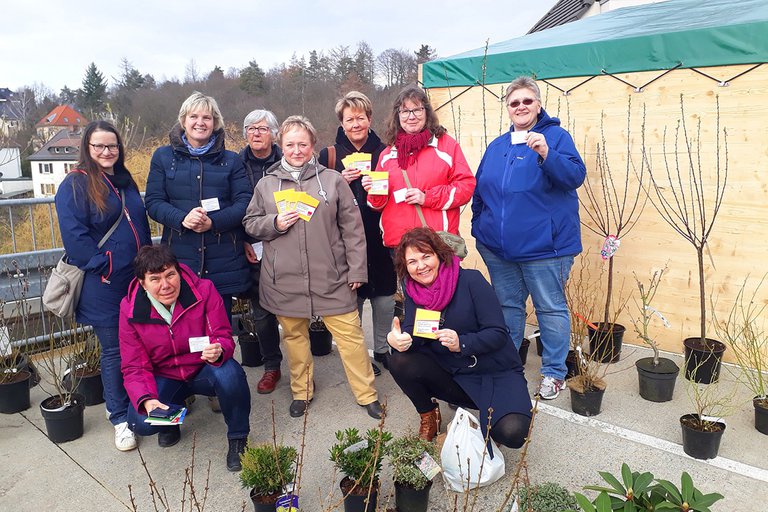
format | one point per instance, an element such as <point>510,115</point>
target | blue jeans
<point>227,382</point>
<point>111,375</point>
<point>544,281</point>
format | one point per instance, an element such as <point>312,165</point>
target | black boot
<point>236,448</point>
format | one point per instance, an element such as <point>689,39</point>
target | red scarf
<point>408,145</point>
<point>437,295</point>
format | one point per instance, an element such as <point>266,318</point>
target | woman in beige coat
<point>312,267</point>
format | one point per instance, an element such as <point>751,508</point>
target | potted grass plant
<point>656,375</point>
<point>359,459</point>
<point>408,458</point>
<point>266,469</point>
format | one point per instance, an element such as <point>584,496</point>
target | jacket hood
<point>141,308</point>
<point>371,144</point>
<point>544,121</point>
<point>174,136</point>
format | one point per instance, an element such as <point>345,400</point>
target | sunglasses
<point>527,102</point>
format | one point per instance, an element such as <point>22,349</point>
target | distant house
<point>54,160</point>
<point>9,116</point>
<point>566,11</point>
<point>12,184</point>
<point>60,118</point>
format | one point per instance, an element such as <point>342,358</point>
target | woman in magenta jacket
<point>176,341</point>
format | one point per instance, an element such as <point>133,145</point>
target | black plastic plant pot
<point>320,342</point>
<point>408,499</point>
<point>761,414</point>
<point>697,443</point>
<point>268,503</point>
<point>14,395</point>
<point>358,502</point>
<point>63,422</point>
<point>702,360</point>
<point>605,342</point>
<point>250,350</point>
<point>572,364</point>
<point>90,386</point>
<point>587,403</point>
<point>657,383</point>
<point>523,350</point>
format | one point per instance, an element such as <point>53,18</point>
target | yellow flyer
<point>306,205</point>
<point>282,198</point>
<point>426,323</point>
<point>359,161</point>
<point>379,183</point>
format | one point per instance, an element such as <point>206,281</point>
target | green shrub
<point>267,468</point>
<point>402,453</point>
<point>362,465</point>
<point>546,497</point>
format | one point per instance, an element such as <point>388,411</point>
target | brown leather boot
<point>430,424</point>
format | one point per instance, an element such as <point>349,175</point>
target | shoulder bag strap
<point>418,206</point>
<point>114,226</point>
<point>332,157</point>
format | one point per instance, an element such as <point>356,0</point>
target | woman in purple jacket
<point>176,341</point>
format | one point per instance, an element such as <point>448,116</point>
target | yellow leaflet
<point>379,183</point>
<point>282,198</point>
<point>426,323</point>
<point>359,161</point>
<point>306,205</point>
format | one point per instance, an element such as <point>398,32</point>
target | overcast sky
<point>52,42</point>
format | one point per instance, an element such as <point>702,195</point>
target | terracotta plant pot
<point>702,360</point>
<point>698,443</point>
<point>605,342</point>
<point>656,383</point>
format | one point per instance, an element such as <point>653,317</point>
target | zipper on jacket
<point>127,216</point>
<point>200,201</point>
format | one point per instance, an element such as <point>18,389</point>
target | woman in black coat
<point>199,192</point>
<point>354,135</point>
<point>464,355</point>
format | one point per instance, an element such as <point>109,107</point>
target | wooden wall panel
<point>739,241</point>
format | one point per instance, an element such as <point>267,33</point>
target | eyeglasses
<point>111,148</point>
<point>417,112</point>
<point>261,129</point>
<point>516,103</point>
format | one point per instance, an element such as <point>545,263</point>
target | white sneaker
<point>125,439</point>
<point>550,388</point>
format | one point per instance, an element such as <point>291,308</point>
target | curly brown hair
<point>415,94</point>
<point>423,239</point>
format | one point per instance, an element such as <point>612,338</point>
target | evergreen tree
<point>130,78</point>
<point>425,54</point>
<point>252,79</point>
<point>93,93</point>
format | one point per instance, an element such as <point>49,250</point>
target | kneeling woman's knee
<point>230,375</point>
<point>511,430</point>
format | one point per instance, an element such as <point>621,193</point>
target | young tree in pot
<point>411,484</point>
<point>250,347</point>
<point>744,330</point>
<point>267,468</point>
<point>588,386</point>
<point>359,459</point>
<point>14,381</point>
<point>681,197</point>
<point>87,365</point>
<point>581,294</point>
<point>656,375</point>
<point>613,206</point>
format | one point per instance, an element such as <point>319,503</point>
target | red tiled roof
<point>63,115</point>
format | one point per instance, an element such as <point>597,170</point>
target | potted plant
<point>546,497</point>
<point>14,381</point>
<point>359,459</point>
<point>267,468</point>
<point>613,206</point>
<point>744,330</point>
<point>581,294</point>
<point>588,385</point>
<point>250,348</point>
<point>87,367</point>
<point>63,409</point>
<point>320,337</point>
<point>656,375</point>
<point>411,484</point>
<point>686,202</point>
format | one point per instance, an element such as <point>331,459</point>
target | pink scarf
<point>437,295</point>
<point>408,145</point>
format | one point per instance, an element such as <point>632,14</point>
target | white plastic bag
<point>463,453</point>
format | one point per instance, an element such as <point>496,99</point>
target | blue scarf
<point>201,150</point>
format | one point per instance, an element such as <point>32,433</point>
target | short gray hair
<point>257,115</point>
<point>199,101</point>
<point>523,82</point>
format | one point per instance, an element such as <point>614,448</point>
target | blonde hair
<point>297,122</point>
<point>354,100</point>
<point>199,101</point>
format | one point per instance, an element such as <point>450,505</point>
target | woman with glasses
<point>103,224</point>
<point>199,191</point>
<point>525,219</point>
<point>426,167</point>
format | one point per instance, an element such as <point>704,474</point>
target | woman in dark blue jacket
<point>199,192</point>
<point>88,203</point>
<point>469,358</point>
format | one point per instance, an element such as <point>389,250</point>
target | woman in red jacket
<point>175,341</point>
<point>439,179</point>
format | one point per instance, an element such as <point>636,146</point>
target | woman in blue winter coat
<point>88,204</point>
<point>525,218</point>
<point>199,192</point>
